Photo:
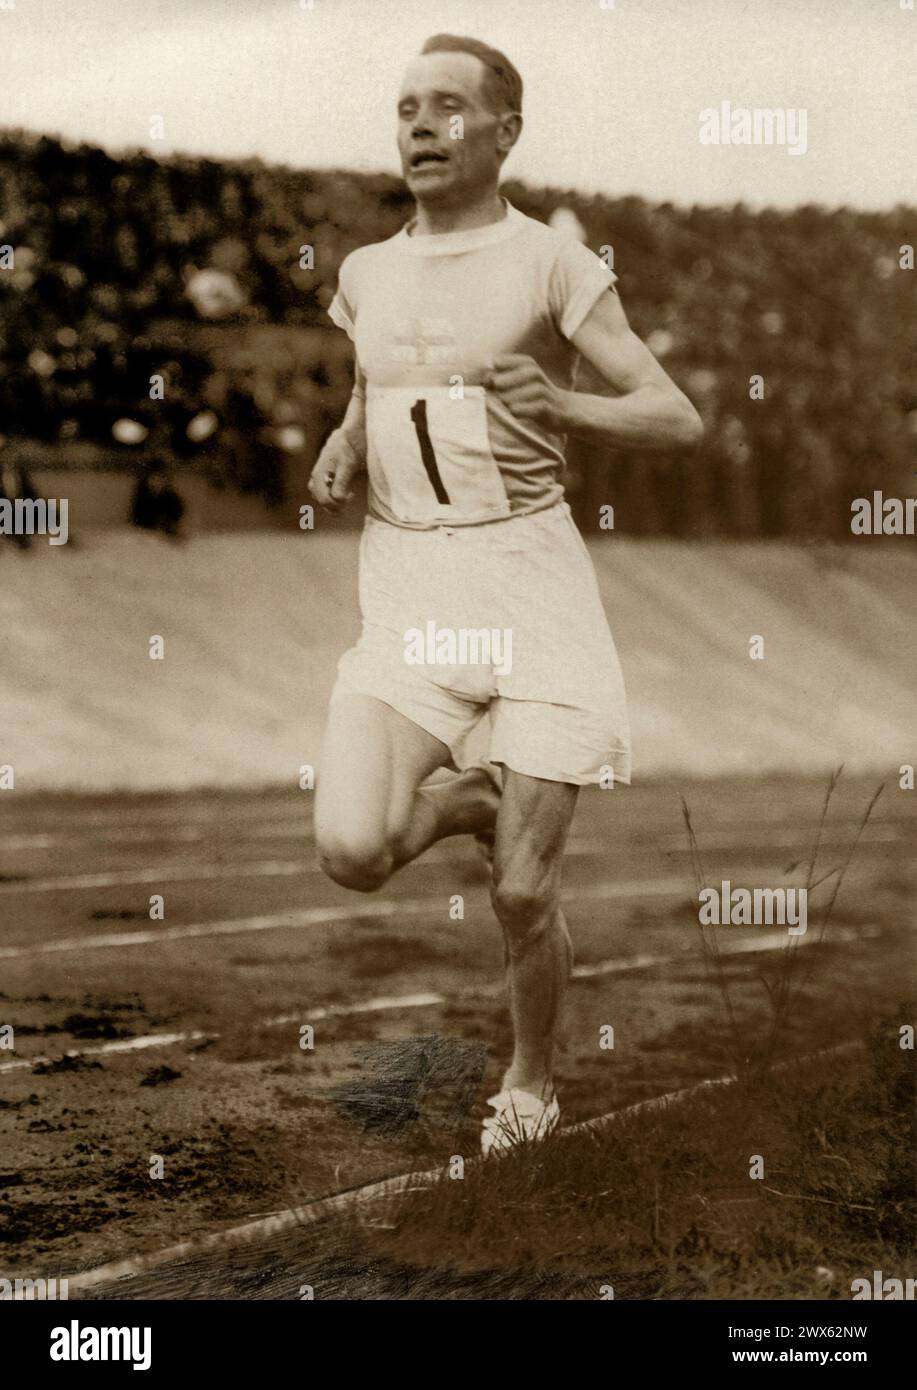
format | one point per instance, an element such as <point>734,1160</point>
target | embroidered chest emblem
<point>424,342</point>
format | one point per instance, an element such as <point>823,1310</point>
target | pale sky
<point>612,96</point>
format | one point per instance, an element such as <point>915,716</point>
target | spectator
<point>15,482</point>
<point>156,505</point>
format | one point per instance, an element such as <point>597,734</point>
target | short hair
<point>502,82</point>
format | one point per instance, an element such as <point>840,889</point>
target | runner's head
<point>448,160</point>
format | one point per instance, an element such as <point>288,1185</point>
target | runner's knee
<point>360,863</point>
<point>524,907</point>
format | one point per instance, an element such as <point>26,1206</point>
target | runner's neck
<point>433,223</point>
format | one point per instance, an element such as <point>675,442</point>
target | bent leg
<point>372,815</point>
<point>532,827</point>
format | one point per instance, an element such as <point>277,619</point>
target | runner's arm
<point>649,411</point>
<point>353,424</point>
<point>343,455</point>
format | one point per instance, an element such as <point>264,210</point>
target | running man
<point>481,611</point>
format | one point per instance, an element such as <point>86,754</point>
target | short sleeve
<point>578,280</point>
<point>342,310</point>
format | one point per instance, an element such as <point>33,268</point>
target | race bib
<point>429,455</point>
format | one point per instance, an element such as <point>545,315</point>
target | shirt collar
<point>451,243</point>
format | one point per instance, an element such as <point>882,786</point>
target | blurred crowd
<point>165,310</point>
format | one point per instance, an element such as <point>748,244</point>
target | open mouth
<point>424,159</point>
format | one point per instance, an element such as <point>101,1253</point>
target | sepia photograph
<point>458,828</point>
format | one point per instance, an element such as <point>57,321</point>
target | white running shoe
<point>521,1118</point>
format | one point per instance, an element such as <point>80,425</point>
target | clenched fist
<point>332,477</point>
<point>525,390</point>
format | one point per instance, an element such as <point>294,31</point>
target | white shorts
<point>504,620</point>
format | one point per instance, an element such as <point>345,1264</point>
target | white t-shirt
<point>428,315</point>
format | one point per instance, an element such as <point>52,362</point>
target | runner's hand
<point>332,477</point>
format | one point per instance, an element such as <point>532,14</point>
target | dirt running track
<point>179,1040</point>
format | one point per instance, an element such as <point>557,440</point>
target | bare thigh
<point>373,761</point>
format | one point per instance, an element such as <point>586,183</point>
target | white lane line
<point>785,839</point>
<point>188,873</point>
<point>122,1045</point>
<point>768,941</point>
<point>319,916</point>
<point>671,887</point>
<point>674,1098</point>
<point>309,917</point>
<point>181,809</point>
<point>766,837</point>
<point>367,1006</point>
<point>339,1202</point>
<point>302,868</point>
<point>383,1004</point>
<point>186,835</point>
<point>745,946</point>
<point>266,829</point>
<point>168,873</point>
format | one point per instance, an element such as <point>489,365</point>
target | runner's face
<point>437,166</point>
